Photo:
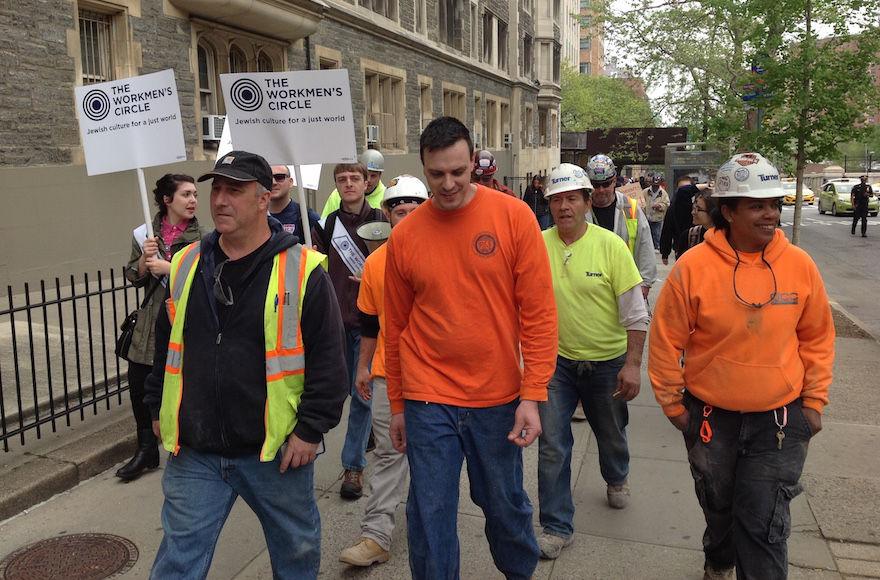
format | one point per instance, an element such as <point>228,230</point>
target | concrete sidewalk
<point>658,536</point>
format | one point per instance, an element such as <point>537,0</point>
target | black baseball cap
<point>242,166</point>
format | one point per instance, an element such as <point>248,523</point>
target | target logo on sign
<point>246,95</point>
<point>96,105</point>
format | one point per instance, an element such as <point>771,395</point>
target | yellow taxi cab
<point>789,188</point>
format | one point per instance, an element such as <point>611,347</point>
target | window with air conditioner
<point>385,109</point>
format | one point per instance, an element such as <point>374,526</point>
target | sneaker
<point>618,496</point>
<point>711,573</point>
<point>365,552</point>
<point>551,545</point>
<point>352,484</point>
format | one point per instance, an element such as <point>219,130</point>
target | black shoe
<point>864,235</point>
<point>371,443</point>
<point>145,458</point>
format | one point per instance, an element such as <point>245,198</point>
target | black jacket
<point>346,288</point>
<point>224,369</point>
<point>535,199</point>
<point>678,219</point>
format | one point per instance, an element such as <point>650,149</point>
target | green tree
<point>815,92</point>
<point>590,102</point>
<point>810,94</point>
<point>692,50</point>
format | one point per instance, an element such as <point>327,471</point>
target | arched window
<point>264,63</point>
<point>237,60</point>
<point>207,79</point>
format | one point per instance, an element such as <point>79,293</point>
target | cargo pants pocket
<point>780,520</point>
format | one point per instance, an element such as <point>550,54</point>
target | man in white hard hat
<point>603,322</point>
<point>623,216</point>
<point>402,196</point>
<point>375,164</point>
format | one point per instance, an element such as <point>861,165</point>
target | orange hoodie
<point>738,357</point>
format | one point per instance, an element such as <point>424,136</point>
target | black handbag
<point>126,329</point>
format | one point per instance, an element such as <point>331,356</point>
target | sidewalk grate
<point>73,557</point>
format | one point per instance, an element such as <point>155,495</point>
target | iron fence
<point>57,356</point>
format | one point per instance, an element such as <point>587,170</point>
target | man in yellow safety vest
<point>249,376</point>
<point>622,215</point>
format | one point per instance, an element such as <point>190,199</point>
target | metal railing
<point>57,356</point>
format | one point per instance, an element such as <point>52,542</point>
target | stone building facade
<point>492,63</point>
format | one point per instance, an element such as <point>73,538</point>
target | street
<point>850,265</point>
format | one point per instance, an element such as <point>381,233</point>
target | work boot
<point>618,496</point>
<point>711,573</point>
<point>145,458</point>
<point>352,484</point>
<point>365,553</point>
<point>551,545</point>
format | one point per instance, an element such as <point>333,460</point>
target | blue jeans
<point>438,439</point>
<point>591,384</point>
<point>745,484</point>
<point>656,228</point>
<point>354,455</point>
<point>200,489</point>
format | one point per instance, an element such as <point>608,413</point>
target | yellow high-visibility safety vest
<point>632,224</point>
<point>285,354</point>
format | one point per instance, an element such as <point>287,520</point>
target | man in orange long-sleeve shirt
<point>467,289</point>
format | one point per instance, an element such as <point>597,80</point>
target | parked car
<point>790,189</point>
<point>834,197</point>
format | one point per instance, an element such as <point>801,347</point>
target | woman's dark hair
<point>444,132</point>
<point>715,211</point>
<point>166,186</point>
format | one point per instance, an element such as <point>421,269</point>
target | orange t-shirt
<point>371,301</point>
<point>466,292</point>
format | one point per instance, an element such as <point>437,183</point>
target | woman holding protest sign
<point>175,226</point>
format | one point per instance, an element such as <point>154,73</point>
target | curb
<point>854,320</point>
<point>37,477</point>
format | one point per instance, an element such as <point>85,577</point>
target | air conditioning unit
<point>508,140</point>
<point>372,133</point>
<point>212,127</point>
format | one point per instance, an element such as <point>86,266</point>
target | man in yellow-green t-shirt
<point>602,326</point>
<point>375,164</point>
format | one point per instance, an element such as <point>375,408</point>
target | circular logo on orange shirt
<point>485,244</point>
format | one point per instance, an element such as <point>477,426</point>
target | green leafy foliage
<point>594,102</point>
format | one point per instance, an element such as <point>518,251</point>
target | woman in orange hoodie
<point>748,314</point>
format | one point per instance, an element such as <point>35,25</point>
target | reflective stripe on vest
<point>632,225</point>
<point>285,355</point>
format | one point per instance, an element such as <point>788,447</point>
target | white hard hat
<point>748,175</point>
<point>402,188</point>
<point>567,177</point>
<point>372,160</point>
<point>601,168</point>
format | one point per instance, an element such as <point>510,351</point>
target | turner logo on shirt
<point>785,298</point>
<point>485,244</point>
<point>593,274</point>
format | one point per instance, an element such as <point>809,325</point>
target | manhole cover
<point>72,557</point>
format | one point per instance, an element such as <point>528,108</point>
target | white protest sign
<point>225,145</point>
<point>298,117</point>
<point>130,123</point>
<point>311,175</point>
